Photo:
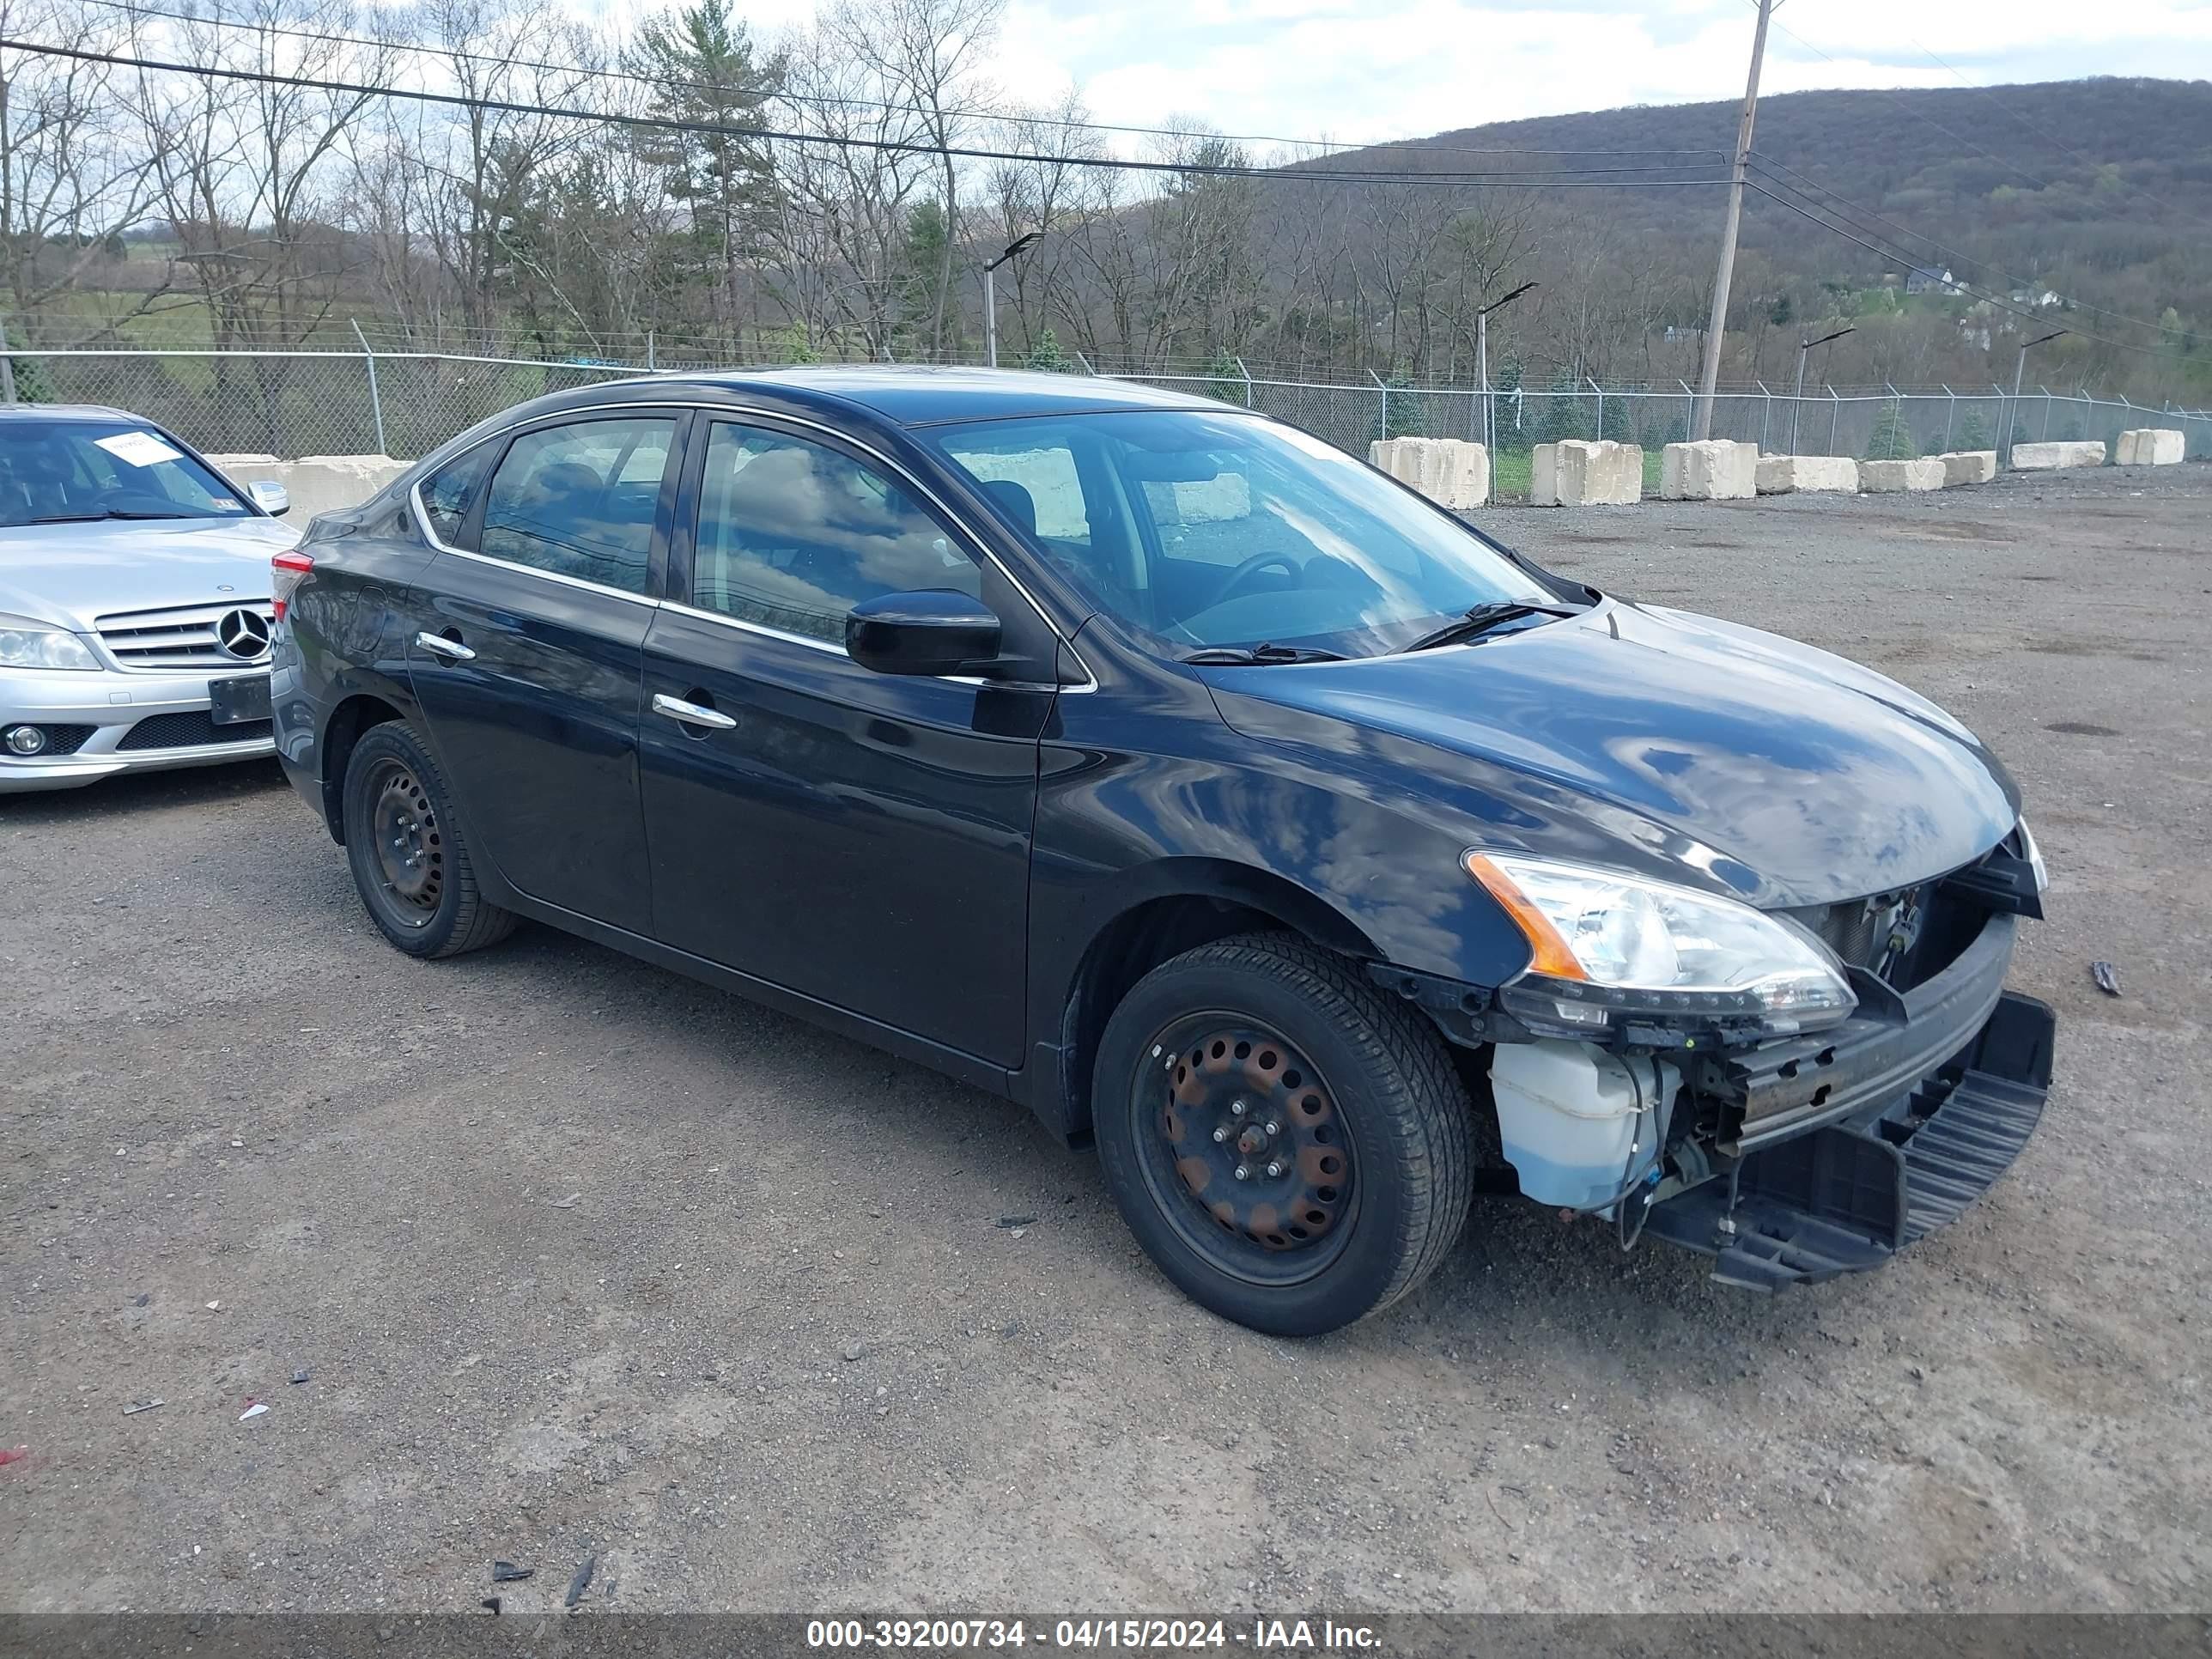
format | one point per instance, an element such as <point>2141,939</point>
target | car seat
<point>1015,501</point>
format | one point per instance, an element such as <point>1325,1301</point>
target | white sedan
<point>134,611</point>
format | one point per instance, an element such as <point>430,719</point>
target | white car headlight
<point>1612,950</point>
<point>28,644</point>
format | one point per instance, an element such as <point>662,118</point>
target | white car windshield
<point>1220,531</point>
<point>78,471</point>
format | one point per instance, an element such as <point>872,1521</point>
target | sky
<point>1360,71</point>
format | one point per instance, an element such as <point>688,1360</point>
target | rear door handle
<point>690,713</point>
<point>439,646</point>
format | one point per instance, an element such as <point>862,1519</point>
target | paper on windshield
<point>138,448</point>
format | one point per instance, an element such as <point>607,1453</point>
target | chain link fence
<point>1883,424</point>
<point>294,403</point>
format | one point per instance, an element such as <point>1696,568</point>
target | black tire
<point>423,894</point>
<point>1387,1093</point>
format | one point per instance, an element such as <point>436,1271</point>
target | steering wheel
<point>1251,567</point>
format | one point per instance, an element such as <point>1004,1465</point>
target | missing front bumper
<point>1846,1196</point>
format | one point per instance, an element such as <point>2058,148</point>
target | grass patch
<point>1510,468</point>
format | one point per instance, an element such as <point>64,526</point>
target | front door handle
<point>690,713</point>
<point>439,646</point>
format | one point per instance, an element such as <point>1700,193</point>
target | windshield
<point>67,471</point>
<point>1221,531</point>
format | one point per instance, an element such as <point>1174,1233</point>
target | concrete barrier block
<point>1709,470</point>
<point>1968,467</point>
<point>1883,477</point>
<point>330,483</point>
<point>1578,473</point>
<point>1463,474</point>
<point>1451,471</point>
<point>2043,458</point>
<point>1220,500</point>
<point>2149,446</point>
<point>237,468</point>
<point>1782,475</point>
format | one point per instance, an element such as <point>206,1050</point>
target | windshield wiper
<point>1474,624</point>
<point>1260,655</point>
<point>110,512</point>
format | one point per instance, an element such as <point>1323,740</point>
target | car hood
<point>1723,755</point>
<point>71,573</point>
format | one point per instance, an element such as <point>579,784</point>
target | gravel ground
<point>582,1259</point>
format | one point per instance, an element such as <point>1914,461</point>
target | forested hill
<point>2103,184</point>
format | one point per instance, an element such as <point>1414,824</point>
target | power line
<point>1840,206</point>
<point>1068,124</point>
<point>1510,179</point>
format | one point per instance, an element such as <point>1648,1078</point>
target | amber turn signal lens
<point>1551,954</point>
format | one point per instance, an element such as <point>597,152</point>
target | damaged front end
<point>1787,1155</point>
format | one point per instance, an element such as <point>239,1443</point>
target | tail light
<point>285,570</point>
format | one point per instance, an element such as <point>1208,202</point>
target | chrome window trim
<point>678,607</point>
<point>742,625</point>
<point>588,585</point>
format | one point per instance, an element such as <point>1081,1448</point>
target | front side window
<point>794,534</point>
<point>1219,529</point>
<point>78,471</point>
<point>580,500</point>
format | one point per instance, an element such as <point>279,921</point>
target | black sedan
<point>1218,798</point>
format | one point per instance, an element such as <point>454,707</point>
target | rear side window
<point>794,534</point>
<point>580,500</point>
<point>448,493</point>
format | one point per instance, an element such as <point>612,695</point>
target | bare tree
<point>926,56</point>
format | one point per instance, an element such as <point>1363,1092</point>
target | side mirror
<point>271,497</point>
<point>932,630</point>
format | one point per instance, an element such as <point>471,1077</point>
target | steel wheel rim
<point>1291,1216</point>
<point>408,845</point>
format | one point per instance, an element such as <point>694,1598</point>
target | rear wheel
<point>1288,1145</point>
<point>410,858</point>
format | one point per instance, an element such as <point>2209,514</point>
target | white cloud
<point>1392,69</point>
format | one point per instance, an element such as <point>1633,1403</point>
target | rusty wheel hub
<point>1253,1133</point>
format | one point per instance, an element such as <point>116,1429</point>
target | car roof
<point>922,395</point>
<point>67,412</point>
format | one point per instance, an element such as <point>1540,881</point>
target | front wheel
<point>1289,1145</point>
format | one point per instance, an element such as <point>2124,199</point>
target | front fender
<point>1171,796</point>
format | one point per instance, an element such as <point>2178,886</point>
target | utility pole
<point>1701,421</point>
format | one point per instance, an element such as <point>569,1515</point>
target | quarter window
<point>794,534</point>
<point>580,500</point>
<point>448,493</point>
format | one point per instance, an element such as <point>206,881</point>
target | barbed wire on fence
<point>404,404</point>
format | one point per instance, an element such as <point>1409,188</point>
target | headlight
<point>1613,951</point>
<point>28,644</point>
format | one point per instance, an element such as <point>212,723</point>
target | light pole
<point>1482,360</point>
<point>1798,399</point>
<point>2020,368</point>
<point>1019,245</point>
